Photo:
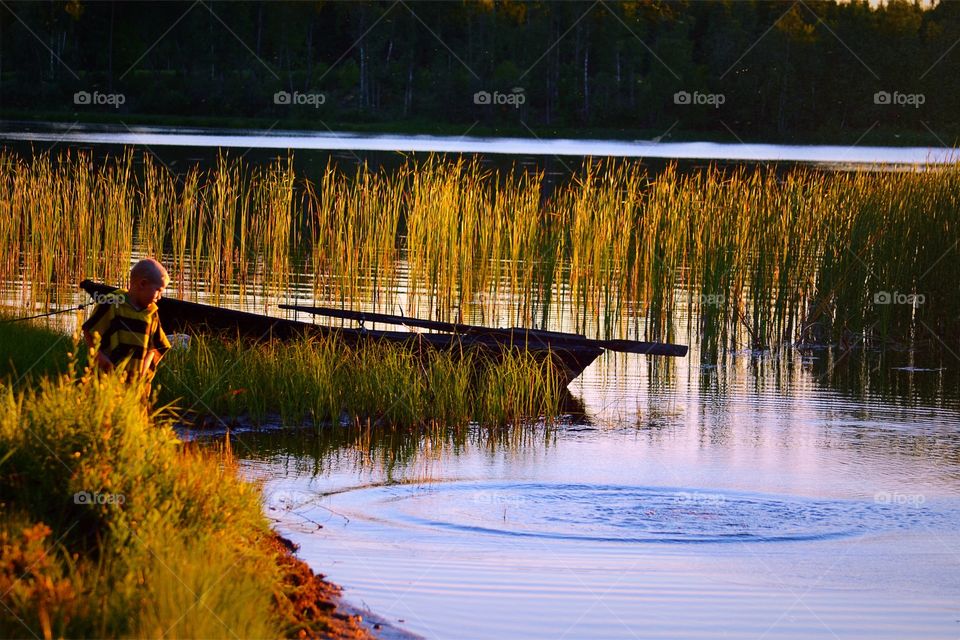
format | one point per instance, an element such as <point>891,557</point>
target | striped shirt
<point>126,332</point>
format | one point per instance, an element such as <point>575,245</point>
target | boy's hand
<point>152,356</point>
<point>104,362</point>
<point>101,358</point>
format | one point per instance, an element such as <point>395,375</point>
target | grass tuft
<point>323,381</point>
<point>111,527</point>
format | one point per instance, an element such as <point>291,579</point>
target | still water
<point>774,496</point>
<point>149,137</point>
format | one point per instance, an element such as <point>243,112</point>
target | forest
<point>748,70</point>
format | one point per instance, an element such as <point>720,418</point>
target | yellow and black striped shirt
<point>126,332</point>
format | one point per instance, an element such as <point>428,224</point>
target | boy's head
<point>147,280</point>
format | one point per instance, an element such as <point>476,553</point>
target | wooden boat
<point>570,353</point>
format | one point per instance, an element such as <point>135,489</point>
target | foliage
<point>324,381</point>
<point>109,526</point>
<point>29,350</point>
<point>616,64</point>
<point>756,257</point>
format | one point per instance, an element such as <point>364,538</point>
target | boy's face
<point>144,291</point>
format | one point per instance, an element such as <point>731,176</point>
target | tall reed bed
<point>225,231</point>
<point>739,257</point>
<point>351,228</point>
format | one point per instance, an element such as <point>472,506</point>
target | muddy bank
<point>309,604</point>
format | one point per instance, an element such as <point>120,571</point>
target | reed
<point>323,381</point>
<point>318,380</point>
<point>740,257</point>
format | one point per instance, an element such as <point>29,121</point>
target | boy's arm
<point>159,345</point>
<point>98,322</point>
<point>150,361</point>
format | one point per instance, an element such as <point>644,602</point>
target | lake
<point>759,500</point>
<point>788,493</point>
<point>206,138</point>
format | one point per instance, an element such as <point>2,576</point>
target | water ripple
<point>625,514</point>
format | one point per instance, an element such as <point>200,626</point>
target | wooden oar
<point>547,338</point>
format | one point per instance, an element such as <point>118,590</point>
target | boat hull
<point>181,316</point>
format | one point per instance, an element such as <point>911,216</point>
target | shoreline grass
<point>323,382</point>
<point>318,381</point>
<point>111,527</point>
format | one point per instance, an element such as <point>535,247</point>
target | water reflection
<point>863,402</point>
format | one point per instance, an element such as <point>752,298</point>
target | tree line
<point>745,68</point>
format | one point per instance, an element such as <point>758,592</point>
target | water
<point>148,137</point>
<point>769,497</point>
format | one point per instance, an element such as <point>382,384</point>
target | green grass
<point>323,381</point>
<point>170,545</point>
<point>30,349</point>
<point>318,381</point>
<point>111,527</point>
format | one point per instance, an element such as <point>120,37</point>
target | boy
<point>128,324</point>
